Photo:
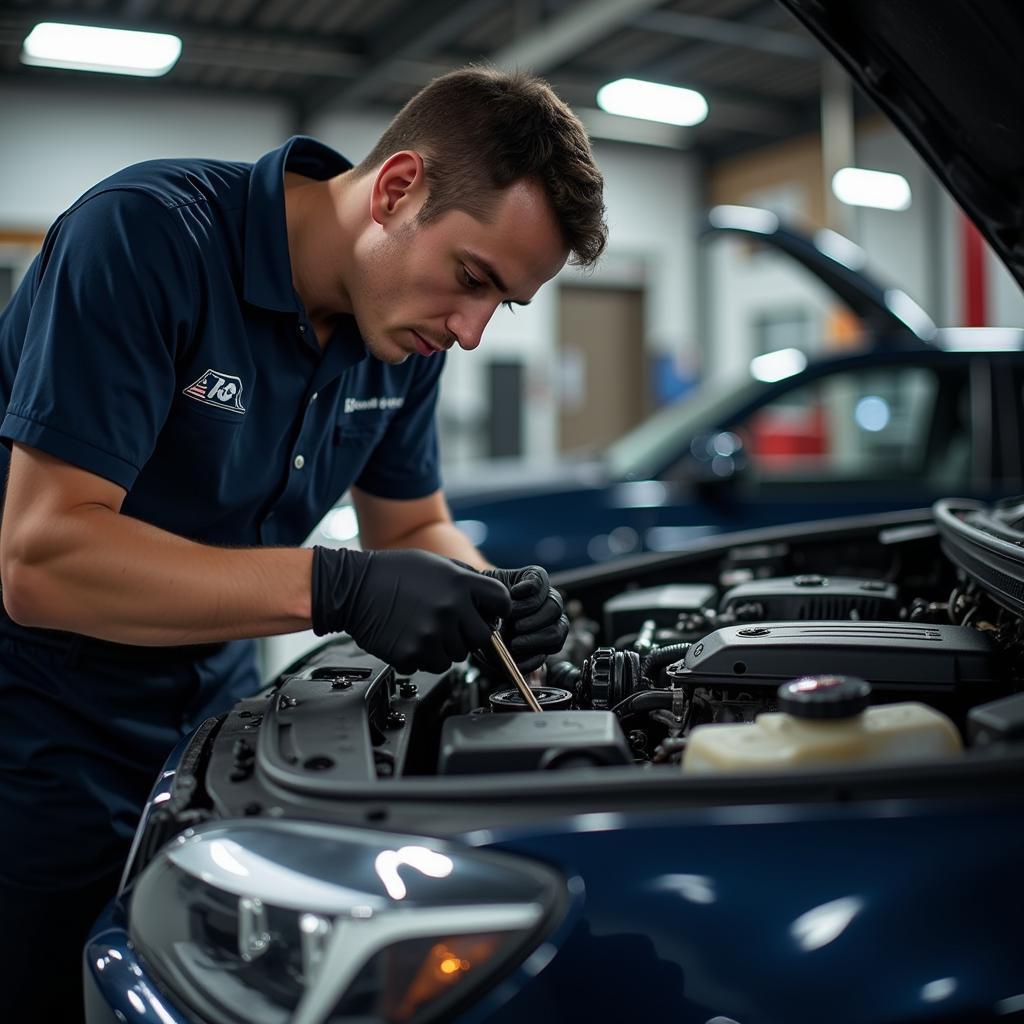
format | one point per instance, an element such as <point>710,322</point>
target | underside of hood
<point>949,74</point>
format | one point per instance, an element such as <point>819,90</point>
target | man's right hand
<point>414,610</point>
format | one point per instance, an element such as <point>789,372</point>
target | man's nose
<point>468,326</point>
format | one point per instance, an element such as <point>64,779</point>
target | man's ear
<point>400,186</point>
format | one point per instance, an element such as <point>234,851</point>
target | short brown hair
<point>481,130</point>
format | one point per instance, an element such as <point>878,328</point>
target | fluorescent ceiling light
<point>773,366</point>
<point>649,101</point>
<point>110,50</point>
<point>858,187</point>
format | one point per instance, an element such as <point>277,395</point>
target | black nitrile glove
<point>414,610</point>
<point>536,626</point>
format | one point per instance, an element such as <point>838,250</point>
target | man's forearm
<point>444,538</point>
<point>107,575</point>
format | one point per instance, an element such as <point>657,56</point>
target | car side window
<point>897,423</point>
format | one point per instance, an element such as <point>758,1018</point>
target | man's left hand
<point>537,625</point>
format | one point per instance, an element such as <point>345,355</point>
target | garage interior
<point>770,449</point>
<point>783,120</point>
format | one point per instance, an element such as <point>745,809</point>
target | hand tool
<point>513,670</point>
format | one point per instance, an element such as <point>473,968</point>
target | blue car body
<point>845,894</point>
<point>910,887</point>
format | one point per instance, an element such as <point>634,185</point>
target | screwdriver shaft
<point>513,670</point>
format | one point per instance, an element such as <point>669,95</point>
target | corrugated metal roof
<point>320,53</point>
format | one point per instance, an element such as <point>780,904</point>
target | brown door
<point>602,368</point>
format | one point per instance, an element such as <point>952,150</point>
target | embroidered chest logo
<point>373,404</point>
<point>221,390</point>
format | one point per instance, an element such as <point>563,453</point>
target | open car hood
<point>890,314</point>
<point>948,75</point>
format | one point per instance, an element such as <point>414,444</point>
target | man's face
<point>424,288</point>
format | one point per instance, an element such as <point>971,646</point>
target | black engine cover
<point>524,741</point>
<point>814,597</point>
<point>901,660</point>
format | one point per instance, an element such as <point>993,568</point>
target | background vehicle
<point>916,413</point>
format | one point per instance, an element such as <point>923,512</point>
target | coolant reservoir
<point>825,720</point>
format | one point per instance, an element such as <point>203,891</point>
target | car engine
<point>914,622</point>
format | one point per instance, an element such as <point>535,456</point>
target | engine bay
<point>906,654</point>
<point>657,653</point>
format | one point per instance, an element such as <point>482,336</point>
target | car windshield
<point>644,451</point>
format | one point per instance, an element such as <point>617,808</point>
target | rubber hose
<point>644,700</point>
<point>657,660</point>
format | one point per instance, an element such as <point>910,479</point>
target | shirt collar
<point>268,266</point>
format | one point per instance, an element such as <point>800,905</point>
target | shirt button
<point>299,462</point>
<point>302,328</point>
<point>313,397</point>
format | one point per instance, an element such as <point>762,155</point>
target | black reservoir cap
<point>824,696</point>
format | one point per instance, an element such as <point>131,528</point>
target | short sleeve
<point>406,460</point>
<point>114,300</point>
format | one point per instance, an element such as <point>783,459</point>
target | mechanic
<point>202,359</point>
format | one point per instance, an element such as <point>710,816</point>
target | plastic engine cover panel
<point>811,597</point>
<point>898,656</point>
<point>526,741</point>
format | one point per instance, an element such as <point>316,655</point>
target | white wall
<point>1005,296</point>
<point>58,143</point>
<point>653,199</point>
<point>898,242</point>
<point>920,248</point>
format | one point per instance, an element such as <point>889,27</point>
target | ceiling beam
<point>321,63</point>
<point>569,34</point>
<point>682,64</point>
<point>113,87</point>
<point>736,144</point>
<point>727,33</point>
<point>433,25</point>
<point>137,8</point>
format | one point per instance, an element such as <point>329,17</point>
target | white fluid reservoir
<point>825,721</point>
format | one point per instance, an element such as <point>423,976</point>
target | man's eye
<point>469,280</point>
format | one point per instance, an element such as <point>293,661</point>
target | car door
<point>864,436</point>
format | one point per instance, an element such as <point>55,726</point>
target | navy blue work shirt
<point>157,341</point>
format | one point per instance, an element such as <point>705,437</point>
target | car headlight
<point>273,921</point>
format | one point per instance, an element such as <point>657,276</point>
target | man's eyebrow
<point>494,277</point>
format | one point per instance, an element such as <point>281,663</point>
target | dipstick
<point>513,670</point>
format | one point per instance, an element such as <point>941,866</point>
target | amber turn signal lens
<point>446,962</point>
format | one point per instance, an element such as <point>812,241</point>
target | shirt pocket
<point>354,444</point>
<point>197,432</point>
<point>358,434</point>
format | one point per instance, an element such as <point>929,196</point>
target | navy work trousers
<point>84,729</point>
